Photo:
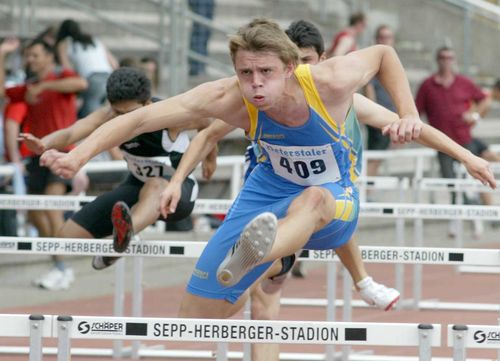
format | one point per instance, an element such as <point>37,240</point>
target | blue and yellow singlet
<point>317,152</point>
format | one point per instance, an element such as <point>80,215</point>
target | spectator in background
<point>129,62</point>
<point>51,105</point>
<point>454,104</point>
<point>495,92</point>
<point>89,58</point>
<point>347,40</point>
<point>376,92</point>
<point>200,34</point>
<point>150,67</point>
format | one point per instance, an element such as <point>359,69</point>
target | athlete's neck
<point>292,108</point>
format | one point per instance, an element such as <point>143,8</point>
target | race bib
<point>144,168</point>
<point>304,165</point>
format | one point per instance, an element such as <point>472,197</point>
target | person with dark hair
<point>345,41</point>
<point>128,89</point>
<point>150,67</point>
<point>90,58</point>
<point>302,193</point>
<point>50,97</point>
<point>376,92</point>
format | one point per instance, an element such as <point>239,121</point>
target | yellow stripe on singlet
<point>304,76</point>
<point>253,114</point>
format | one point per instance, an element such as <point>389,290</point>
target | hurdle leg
<point>459,333</point>
<point>347,309</point>
<point>119,299</point>
<point>424,347</point>
<point>36,329</point>
<point>331,290</point>
<point>63,338</point>
<point>137,296</point>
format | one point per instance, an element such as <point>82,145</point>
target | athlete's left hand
<point>208,167</point>
<point>62,164</point>
<point>404,130</point>
<point>480,169</point>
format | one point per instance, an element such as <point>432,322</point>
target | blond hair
<point>264,35</point>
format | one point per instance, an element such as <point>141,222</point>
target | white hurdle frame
<point>462,337</point>
<point>66,328</point>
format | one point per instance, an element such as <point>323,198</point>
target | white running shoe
<point>254,244</point>
<point>56,280</point>
<point>102,262</point>
<point>378,295</point>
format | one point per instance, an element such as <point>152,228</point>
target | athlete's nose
<point>256,81</point>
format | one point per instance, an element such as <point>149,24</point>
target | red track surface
<point>439,282</point>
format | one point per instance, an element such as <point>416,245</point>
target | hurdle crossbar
<point>240,331</point>
<point>189,249</point>
<point>219,206</point>
<point>475,336</point>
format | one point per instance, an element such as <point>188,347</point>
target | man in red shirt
<point>51,105</point>
<point>346,41</point>
<point>454,104</point>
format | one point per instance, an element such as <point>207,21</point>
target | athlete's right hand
<point>33,143</point>
<point>62,164</point>
<point>170,198</point>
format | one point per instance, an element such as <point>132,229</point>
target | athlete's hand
<point>33,143</point>
<point>170,198</point>
<point>208,167</point>
<point>62,164</point>
<point>404,130</point>
<point>480,169</point>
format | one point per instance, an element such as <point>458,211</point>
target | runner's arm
<point>64,137</point>
<point>201,146</point>
<point>377,116</point>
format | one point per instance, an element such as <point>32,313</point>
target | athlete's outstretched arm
<point>201,145</point>
<point>346,74</point>
<point>377,116</point>
<point>64,137</point>
<point>216,99</point>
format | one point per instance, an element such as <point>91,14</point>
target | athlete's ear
<point>289,68</point>
<point>322,56</point>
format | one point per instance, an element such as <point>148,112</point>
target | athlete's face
<point>125,106</point>
<point>262,77</point>
<point>310,56</point>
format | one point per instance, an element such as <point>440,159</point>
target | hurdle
<point>463,337</point>
<point>34,327</point>
<point>66,328</point>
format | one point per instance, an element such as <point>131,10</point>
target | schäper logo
<point>84,327</point>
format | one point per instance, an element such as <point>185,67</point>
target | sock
<point>365,282</point>
<point>60,265</point>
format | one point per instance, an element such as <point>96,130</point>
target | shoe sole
<point>254,244</point>
<point>122,226</point>
<point>111,261</point>
<point>392,304</point>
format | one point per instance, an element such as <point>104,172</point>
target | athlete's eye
<point>245,72</point>
<point>267,71</point>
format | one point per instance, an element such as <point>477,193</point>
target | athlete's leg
<point>309,212</point>
<point>351,259</point>
<point>55,217</point>
<point>193,306</point>
<point>71,229</point>
<point>265,298</point>
<point>146,211</point>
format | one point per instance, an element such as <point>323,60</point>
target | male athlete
<point>128,89</point>
<point>297,115</point>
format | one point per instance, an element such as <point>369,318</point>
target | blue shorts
<point>265,191</point>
